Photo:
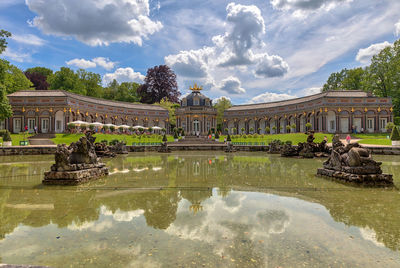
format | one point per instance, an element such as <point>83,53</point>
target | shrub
<point>112,128</point>
<point>131,129</point>
<point>183,133</point>
<point>251,129</point>
<point>164,138</point>
<point>7,136</point>
<point>217,135</point>
<point>2,132</point>
<point>104,141</point>
<point>395,136</point>
<point>209,132</point>
<point>308,125</point>
<point>228,138</point>
<point>259,130</point>
<point>244,137</point>
<point>71,126</point>
<point>288,128</point>
<point>234,130</point>
<point>242,130</point>
<point>293,126</point>
<point>83,127</point>
<point>105,128</point>
<point>150,129</point>
<point>121,129</point>
<point>397,120</point>
<point>114,142</point>
<point>212,130</point>
<point>390,126</point>
<point>163,130</point>
<point>141,130</point>
<point>226,130</point>
<point>176,135</point>
<point>289,142</point>
<point>91,127</point>
<point>267,130</point>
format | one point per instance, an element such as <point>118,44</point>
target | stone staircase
<point>193,140</point>
<point>42,139</point>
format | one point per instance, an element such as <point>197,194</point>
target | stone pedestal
<point>74,177</point>
<point>380,180</point>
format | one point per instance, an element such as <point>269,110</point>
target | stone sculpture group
<point>308,149</point>
<point>353,163</point>
<point>75,164</point>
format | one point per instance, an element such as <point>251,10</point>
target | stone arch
<point>241,124</point>
<point>302,122</point>
<point>59,121</point>
<point>344,121</point>
<point>252,124</point>
<point>231,126</point>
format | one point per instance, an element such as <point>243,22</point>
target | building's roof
<point>62,93</point>
<point>337,93</point>
<point>202,98</point>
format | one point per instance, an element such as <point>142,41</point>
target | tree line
<point>381,77</point>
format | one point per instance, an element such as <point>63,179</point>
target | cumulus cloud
<point>17,56</point>
<point>397,28</point>
<point>310,91</point>
<point>95,22</point>
<point>270,66</point>
<point>124,75</point>
<point>221,98</point>
<point>271,97</point>
<point>365,55</point>
<point>81,63</point>
<point>28,39</point>
<point>99,61</point>
<point>232,85</point>
<point>233,51</point>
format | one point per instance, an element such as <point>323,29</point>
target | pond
<point>197,209</point>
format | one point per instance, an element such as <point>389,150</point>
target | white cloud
<point>16,55</point>
<point>99,61</point>
<point>95,22</point>
<point>310,91</point>
<point>270,66</point>
<point>232,85</point>
<point>104,62</point>
<point>365,55</point>
<point>124,75</point>
<point>221,98</point>
<point>397,28</point>
<point>271,97</point>
<point>28,39</point>
<point>81,63</point>
<point>233,55</point>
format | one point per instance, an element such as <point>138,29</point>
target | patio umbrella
<point>124,126</point>
<point>137,127</point>
<point>79,123</point>
<point>156,128</point>
<point>109,125</point>
<point>97,124</point>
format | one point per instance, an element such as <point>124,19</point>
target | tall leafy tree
<point>221,105</point>
<point>127,91</point>
<point>66,79</point>
<point>91,83</point>
<point>335,81</point>
<point>12,78</point>
<point>171,107</point>
<point>5,107</point>
<point>38,80</point>
<point>3,41</point>
<point>41,70</point>
<point>353,79</point>
<point>160,83</point>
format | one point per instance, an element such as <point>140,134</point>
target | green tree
<point>5,107</point>
<point>353,79</point>
<point>66,79</point>
<point>171,107</point>
<point>335,81</point>
<point>12,78</point>
<point>91,83</point>
<point>3,42</point>
<point>41,70</point>
<point>127,91</point>
<point>221,105</point>
<point>111,90</point>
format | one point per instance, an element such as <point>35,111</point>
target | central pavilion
<point>196,116</point>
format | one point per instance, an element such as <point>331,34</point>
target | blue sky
<point>249,51</point>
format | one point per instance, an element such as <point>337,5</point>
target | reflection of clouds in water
<point>370,235</point>
<point>224,219</point>
<point>116,171</point>
<point>119,215</point>
<point>156,168</point>
<point>140,169</point>
<point>91,226</point>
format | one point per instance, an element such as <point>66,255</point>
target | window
<point>58,125</point>
<point>383,123</point>
<point>369,123</point>
<point>196,102</point>
<point>332,123</point>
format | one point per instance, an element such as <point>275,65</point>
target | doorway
<point>45,125</point>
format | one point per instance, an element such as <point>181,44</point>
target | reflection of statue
<point>354,163</point>
<point>76,163</point>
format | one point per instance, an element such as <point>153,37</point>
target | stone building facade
<point>51,110</point>
<point>196,116</point>
<point>329,112</point>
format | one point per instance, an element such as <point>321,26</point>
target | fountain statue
<point>353,163</point>
<point>75,164</point>
<point>308,149</point>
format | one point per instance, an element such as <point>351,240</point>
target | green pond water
<point>197,209</point>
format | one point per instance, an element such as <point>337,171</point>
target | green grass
<point>375,141</point>
<point>128,139</point>
<point>371,136</point>
<point>16,138</point>
<point>295,138</point>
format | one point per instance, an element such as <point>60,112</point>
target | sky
<point>249,51</point>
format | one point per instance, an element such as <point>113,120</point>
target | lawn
<point>16,138</point>
<point>371,136</point>
<point>295,138</point>
<point>128,139</point>
<point>374,138</point>
<point>375,141</point>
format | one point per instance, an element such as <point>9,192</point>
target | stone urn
<point>7,143</point>
<point>395,143</point>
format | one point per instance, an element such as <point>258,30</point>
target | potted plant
<point>164,138</point>
<point>183,134</point>
<point>150,129</point>
<point>131,129</point>
<point>267,130</point>
<point>395,136</point>
<point>163,130</point>
<point>228,139</point>
<point>288,129</point>
<point>105,128</point>
<point>121,129</point>
<point>7,139</point>
<point>234,130</point>
<point>216,136</point>
<point>251,130</point>
<point>141,130</point>
<point>91,127</point>
<point>274,129</point>
<point>176,137</point>
<point>293,127</point>
<point>242,129</point>
<point>308,126</point>
<point>112,129</point>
